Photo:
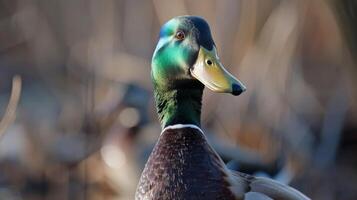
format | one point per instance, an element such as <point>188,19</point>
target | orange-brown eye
<point>180,35</point>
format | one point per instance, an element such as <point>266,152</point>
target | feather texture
<point>268,187</point>
<point>184,166</point>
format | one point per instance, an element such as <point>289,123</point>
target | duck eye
<point>180,35</point>
<point>209,62</point>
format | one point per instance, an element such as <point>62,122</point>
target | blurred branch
<point>326,152</point>
<point>346,11</point>
<point>10,113</point>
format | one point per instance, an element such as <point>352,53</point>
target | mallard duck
<point>182,164</point>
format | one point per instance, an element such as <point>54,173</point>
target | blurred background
<point>77,115</point>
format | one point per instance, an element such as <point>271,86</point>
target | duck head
<point>186,56</point>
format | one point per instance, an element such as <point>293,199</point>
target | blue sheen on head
<point>204,37</point>
<point>196,25</point>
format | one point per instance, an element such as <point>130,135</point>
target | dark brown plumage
<point>183,166</point>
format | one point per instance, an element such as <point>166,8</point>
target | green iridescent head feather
<point>172,57</point>
<point>185,60</point>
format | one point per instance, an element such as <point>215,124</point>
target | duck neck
<point>179,105</point>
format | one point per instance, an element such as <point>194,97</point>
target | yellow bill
<point>209,71</point>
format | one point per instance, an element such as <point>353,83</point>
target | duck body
<point>182,165</point>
